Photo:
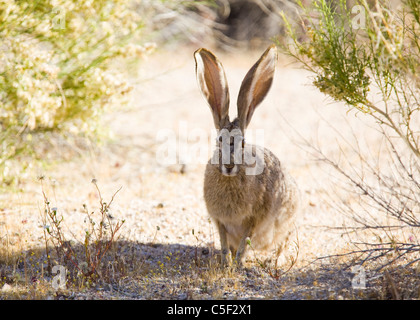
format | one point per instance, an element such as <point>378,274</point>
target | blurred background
<point>63,64</point>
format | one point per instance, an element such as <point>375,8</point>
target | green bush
<point>369,57</point>
<point>57,67</point>
<point>351,54</point>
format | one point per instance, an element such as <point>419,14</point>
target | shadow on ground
<point>132,270</point>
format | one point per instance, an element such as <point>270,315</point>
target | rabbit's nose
<point>229,169</point>
<point>229,166</point>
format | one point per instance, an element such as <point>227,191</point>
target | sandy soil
<point>154,195</point>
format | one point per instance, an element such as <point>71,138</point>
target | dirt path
<point>173,262</point>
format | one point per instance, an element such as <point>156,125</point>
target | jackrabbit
<point>247,192</point>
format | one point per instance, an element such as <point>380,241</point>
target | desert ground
<point>167,247</point>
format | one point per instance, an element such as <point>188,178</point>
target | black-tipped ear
<point>213,84</point>
<point>255,86</point>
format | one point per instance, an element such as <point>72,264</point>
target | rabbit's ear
<point>255,86</point>
<point>213,84</point>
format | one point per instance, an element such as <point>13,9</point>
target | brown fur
<point>258,206</point>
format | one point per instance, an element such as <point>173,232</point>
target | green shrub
<point>349,58</point>
<point>369,57</point>
<point>57,67</point>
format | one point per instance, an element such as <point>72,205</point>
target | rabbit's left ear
<point>213,84</point>
<point>255,86</point>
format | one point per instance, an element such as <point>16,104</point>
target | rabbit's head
<point>213,84</point>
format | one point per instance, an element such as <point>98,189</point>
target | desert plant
<point>97,240</point>
<point>57,68</point>
<point>356,58</point>
<point>271,265</point>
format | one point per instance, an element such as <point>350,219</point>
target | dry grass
<point>167,248</point>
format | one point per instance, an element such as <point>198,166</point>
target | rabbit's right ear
<point>213,84</point>
<point>255,86</point>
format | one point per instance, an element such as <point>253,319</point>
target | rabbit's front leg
<point>243,245</point>
<point>226,254</point>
